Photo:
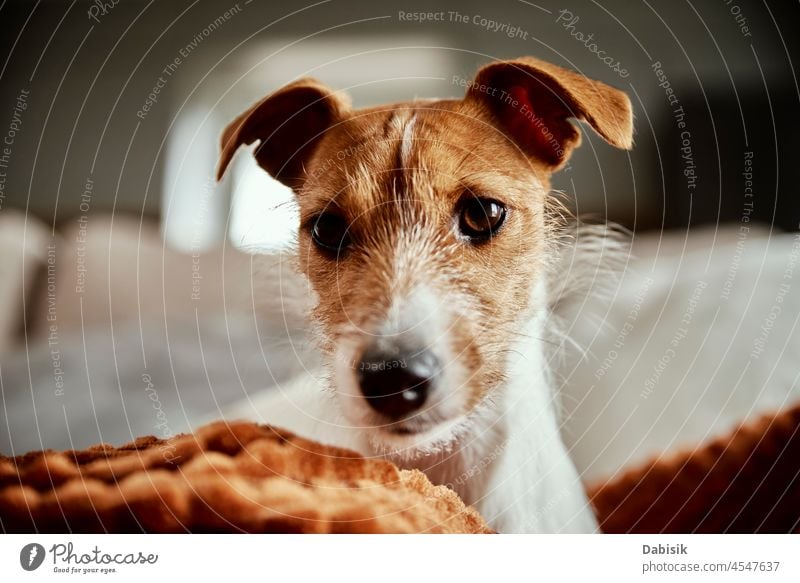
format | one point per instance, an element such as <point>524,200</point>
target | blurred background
<point>130,296</point>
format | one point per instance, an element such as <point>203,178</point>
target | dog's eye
<point>480,218</point>
<point>329,233</point>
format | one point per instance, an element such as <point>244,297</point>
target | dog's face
<point>444,236</point>
<point>424,230</point>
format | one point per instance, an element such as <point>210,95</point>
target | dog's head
<point>424,229</point>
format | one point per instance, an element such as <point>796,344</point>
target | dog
<point>430,240</point>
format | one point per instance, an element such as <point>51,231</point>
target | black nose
<point>396,385</point>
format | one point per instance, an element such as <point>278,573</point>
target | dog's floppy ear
<point>533,100</point>
<point>289,123</point>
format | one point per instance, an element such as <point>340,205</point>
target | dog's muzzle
<point>397,383</point>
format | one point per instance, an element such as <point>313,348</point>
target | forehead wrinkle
<point>375,176</point>
<point>412,156</point>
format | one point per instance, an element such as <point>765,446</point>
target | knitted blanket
<point>243,477</point>
<point>237,477</point>
<point>745,482</point>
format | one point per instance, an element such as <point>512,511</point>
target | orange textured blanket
<point>237,477</point>
<point>744,482</point>
<point>243,477</point>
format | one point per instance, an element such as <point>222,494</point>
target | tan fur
<point>402,212</point>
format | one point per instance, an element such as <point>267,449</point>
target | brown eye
<point>330,233</point>
<point>480,218</point>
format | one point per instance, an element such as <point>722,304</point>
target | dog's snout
<point>397,384</point>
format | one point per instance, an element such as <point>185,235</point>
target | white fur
<point>533,485</point>
<point>408,139</point>
<point>506,457</point>
<point>416,318</point>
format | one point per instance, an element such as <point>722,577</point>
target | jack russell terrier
<point>432,246</point>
